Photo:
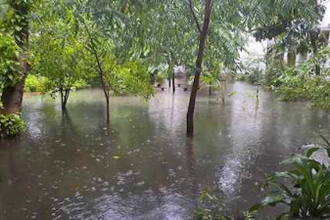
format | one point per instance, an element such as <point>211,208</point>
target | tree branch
<point>98,62</point>
<point>194,15</point>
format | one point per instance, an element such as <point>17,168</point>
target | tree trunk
<point>210,90</point>
<point>291,57</point>
<point>315,50</point>
<point>198,68</point>
<point>173,81</point>
<point>108,108</point>
<point>65,93</point>
<point>169,82</point>
<point>100,72</point>
<point>12,96</point>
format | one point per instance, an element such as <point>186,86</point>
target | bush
<point>160,78</point>
<point>314,89</point>
<point>305,189</point>
<point>255,77</point>
<point>300,83</point>
<point>318,90</point>
<point>11,125</point>
<point>34,83</point>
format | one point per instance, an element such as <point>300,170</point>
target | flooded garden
<point>142,166</point>
<point>164,109</point>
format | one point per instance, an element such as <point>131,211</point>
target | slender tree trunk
<point>198,67</point>
<point>210,90</point>
<point>314,37</point>
<point>100,73</point>
<point>12,96</point>
<point>65,93</point>
<point>169,82</point>
<point>62,99</point>
<point>107,98</point>
<point>66,97</point>
<point>315,50</point>
<point>108,108</point>
<point>291,57</point>
<point>173,81</point>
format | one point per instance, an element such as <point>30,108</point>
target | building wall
<point>326,18</point>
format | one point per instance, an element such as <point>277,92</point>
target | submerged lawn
<point>142,166</point>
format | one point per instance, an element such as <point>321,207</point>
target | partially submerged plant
<point>11,125</point>
<point>305,189</point>
<point>212,208</point>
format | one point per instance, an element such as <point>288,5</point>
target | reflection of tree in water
<point>19,186</point>
<point>191,166</point>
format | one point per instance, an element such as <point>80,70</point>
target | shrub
<point>305,189</point>
<point>160,78</point>
<point>254,77</point>
<point>11,125</point>
<point>315,89</point>
<point>300,82</point>
<point>34,83</point>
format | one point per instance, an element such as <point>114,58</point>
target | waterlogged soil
<point>141,166</point>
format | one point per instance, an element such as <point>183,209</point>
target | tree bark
<point>108,109</point>
<point>12,96</point>
<point>198,68</point>
<point>65,93</point>
<point>173,81</point>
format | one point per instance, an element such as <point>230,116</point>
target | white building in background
<point>257,50</point>
<point>326,19</point>
<point>253,54</point>
<point>324,27</point>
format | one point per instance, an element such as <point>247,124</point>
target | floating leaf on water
<point>116,157</point>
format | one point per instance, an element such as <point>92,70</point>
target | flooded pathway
<point>143,167</point>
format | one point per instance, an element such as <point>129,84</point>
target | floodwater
<point>142,166</point>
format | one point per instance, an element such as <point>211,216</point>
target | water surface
<point>142,166</point>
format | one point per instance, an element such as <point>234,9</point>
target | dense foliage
<point>121,45</point>
<point>56,46</point>
<point>11,125</point>
<point>9,66</point>
<point>305,189</point>
<point>300,82</point>
<point>11,58</point>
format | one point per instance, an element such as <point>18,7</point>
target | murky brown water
<point>144,167</point>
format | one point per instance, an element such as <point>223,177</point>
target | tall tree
<point>198,67</point>
<point>119,62</point>
<point>16,22</point>
<point>58,51</point>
